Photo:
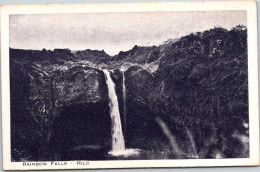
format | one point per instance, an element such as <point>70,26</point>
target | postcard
<point>129,85</point>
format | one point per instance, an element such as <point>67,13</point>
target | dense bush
<point>197,84</point>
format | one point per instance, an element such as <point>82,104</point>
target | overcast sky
<point>113,32</point>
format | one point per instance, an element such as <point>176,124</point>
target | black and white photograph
<point>110,86</point>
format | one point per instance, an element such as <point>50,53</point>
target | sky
<point>113,32</point>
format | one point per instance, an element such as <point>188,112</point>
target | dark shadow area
<point>142,131</point>
<point>82,131</point>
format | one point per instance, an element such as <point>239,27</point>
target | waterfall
<point>118,142</point>
<point>124,100</point>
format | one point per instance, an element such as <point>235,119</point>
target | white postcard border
<point>249,6</point>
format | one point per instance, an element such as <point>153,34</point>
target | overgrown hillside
<point>197,85</point>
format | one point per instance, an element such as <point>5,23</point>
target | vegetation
<point>195,89</point>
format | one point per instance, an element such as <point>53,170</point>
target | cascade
<point>124,100</point>
<point>118,142</point>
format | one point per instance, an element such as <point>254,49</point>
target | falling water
<point>118,142</point>
<point>124,100</point>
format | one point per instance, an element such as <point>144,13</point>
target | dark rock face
<point>135,55</point>
<point>40,93</point>
<point>197,84</point>
<point>93,56</point>
<point>203,91</point>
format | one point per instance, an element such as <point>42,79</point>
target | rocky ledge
<point>196,84</point>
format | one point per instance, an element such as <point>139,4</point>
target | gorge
<point>63,102</point>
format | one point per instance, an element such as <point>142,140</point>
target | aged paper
<point>129,85</point>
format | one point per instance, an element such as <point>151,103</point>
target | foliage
<point>198,85</point>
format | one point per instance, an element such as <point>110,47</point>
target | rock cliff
<point>197,82</point>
